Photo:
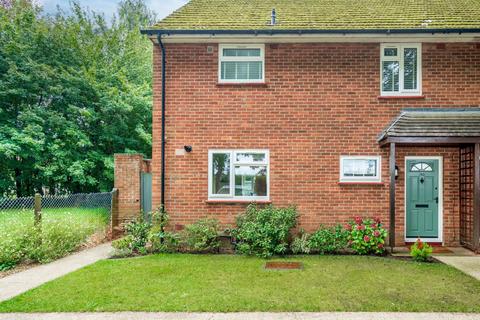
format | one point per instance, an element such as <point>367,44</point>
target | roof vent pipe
<point>274,17</point>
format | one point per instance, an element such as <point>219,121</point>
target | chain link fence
<point>79,200</point>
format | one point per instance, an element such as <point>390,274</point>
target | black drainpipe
<point>163,121</point>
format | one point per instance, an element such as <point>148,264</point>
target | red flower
<point>377,220</point>
<point>348,227</point>
<point>376,233</point>
<point>358,220</point>
<point>361,227</point>
<point>366,238</point>
<point>380,245</point>
<point>419,244</point>
<point>373,225</point>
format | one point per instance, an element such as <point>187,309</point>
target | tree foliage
<point>74,90</point>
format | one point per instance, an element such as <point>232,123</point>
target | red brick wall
<point>128,169</point>
<point>320,101</point>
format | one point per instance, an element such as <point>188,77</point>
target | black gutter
<point>309,31</point>
<point>163,122</point>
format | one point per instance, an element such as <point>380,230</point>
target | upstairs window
<point>241,63</point>
<point>238,174</point>
<point>401,69</point>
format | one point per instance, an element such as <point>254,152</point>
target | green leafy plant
<point>264,232</point>
<point>328,240</point>
<point>366,236</point>
<point>160,240</point>
<point>301,244</point>
<point>138,231</point>
<point>421,251</point>
<point>202,236</point>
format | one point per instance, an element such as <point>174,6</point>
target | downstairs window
<point>238,174</point>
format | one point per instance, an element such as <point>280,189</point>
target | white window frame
<point>400,49</point>
<point>221,59</point>
<point>377,178</point>
<point>233,161</point>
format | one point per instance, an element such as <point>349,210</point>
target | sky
<point>161,7</point>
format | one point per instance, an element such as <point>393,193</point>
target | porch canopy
<point>438,127</point>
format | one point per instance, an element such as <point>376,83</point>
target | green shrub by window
<point>202,236</point>
<point>264,231</point>
<point>366,236</point>
<point>421,251</point>
<point>328,240</point>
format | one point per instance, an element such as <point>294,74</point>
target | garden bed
<point>228,283</point>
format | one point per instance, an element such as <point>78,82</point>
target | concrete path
<point>18,283</point>
<point>240,316</point>
<point>467,264</point>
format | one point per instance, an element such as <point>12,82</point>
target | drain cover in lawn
<point>280,265</point>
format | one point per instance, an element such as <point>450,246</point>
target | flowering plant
<point>420,251</point>
<point>366,236</point>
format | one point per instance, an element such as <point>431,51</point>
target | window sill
<point>372,183</point>
<point>233,201</point>
<point>401,97</point>
<point>242,84</point>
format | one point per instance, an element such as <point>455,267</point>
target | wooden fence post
<point>37,211</point>
<point>114,215</point>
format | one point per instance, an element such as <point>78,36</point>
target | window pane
<point>255,70</point>
<point>241,52</point>
<point>241,70</point>
<point>250,157</point>
<point>359,168</point>
<point>229,70</point>
<point>250,181</point>
<point>221,173</point>
<point>390,76</point>
<point>410,68</point>
<point>390,52</point>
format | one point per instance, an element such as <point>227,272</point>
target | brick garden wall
<point>128,169</point>
<point>320,101</point>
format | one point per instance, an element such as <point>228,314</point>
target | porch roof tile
<point>434,123</point>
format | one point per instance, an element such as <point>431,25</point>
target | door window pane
<point>390,77</point>
<point>410,68</point>
<point>221,173</point>
<point>250,181</point>
<point>390,52</point>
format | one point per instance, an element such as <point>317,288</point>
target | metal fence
<point>78,200</point>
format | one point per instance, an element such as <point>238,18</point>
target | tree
<point>74,90</point>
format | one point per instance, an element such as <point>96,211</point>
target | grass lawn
<point>62,230</point>
<point>226,283</point>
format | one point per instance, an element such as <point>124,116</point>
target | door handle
<point>436,199</point>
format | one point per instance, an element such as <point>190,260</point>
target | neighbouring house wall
<point>128,170</point>
<point>320,101</point>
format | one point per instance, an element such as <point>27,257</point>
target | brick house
<point>328,105</point>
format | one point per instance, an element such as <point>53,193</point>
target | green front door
<point>422,198</point>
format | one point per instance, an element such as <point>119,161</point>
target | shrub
<point>421,251</point>
<point>328,240</point>
<point>138,231</point>
<point>160,240</point>
<point>301,244</point>
<point>366,236</point>
<point>264,232</point>
<point>202,235</point>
